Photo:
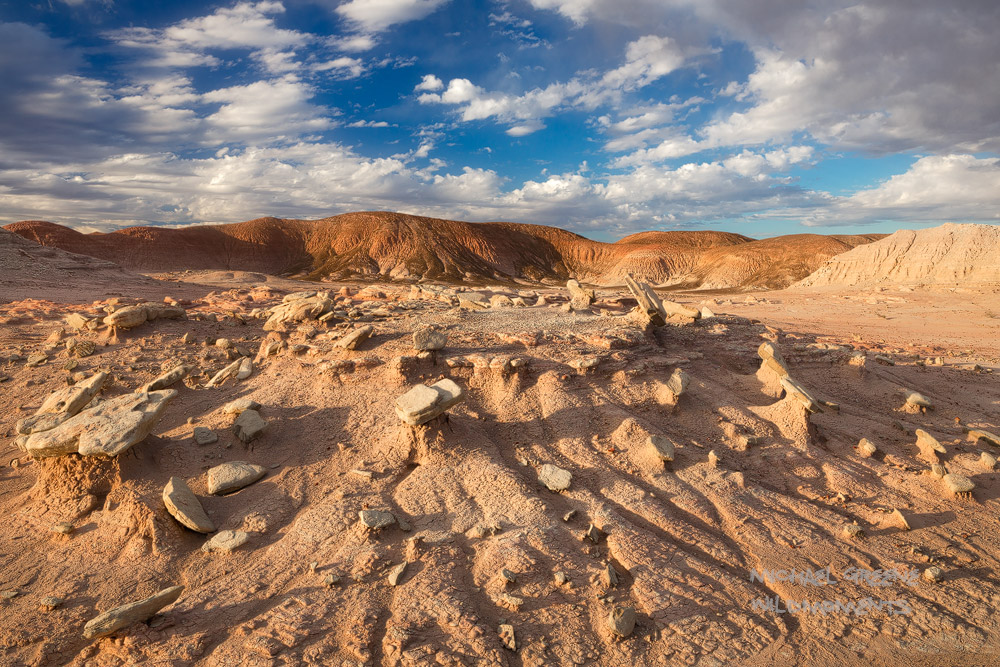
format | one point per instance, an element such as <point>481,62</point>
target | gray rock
<point>376,519</point>
<point>249,425</point>
<point>184,506</point>
<point>678,382</point>
<point>228,372</point>
<point>246,368</point>
<point>60,405</point>
<point>204,436</point>
<point>554,478</point>
<point>225,541</point>
<point>239,405</point>
<point>609,576</point>
<point>351,340</point>
<point>622,621</point>
<point>233,476</point>
<point>105,430</point>
<point>852,531</point>
<point>958,484</point>
<point>933,574</point>
<point>428,339</point>
<point>423,403</point>
<point>170,377</point>
<point>661,446</point>
<point>135,612</point>
<point>50,602</point>
<point>917,400</point>
<point>396,574</point>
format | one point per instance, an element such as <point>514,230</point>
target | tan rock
<point>423,403</point>
<point>622,621</point>
<point>866,449</point>
<point>62,404</point>
<point>134,612</point>
<point>249,425</point>
<point>354,338</point>
<point>184,506</point>
<point>958,484</point>
<point>175,374</point>
<point>225,541</point>
<point>233,476</point>
<point>554,478</point>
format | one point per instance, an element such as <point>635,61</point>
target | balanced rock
<point>423,403</point>
<point>554,478</point>
<point>249,425</point>
<point>649,304</point>
<point>135,612</point>
<point>917,400</point>
<point>427,339</point>
<point>233,476</point>
<point>184,506</point>
<point>105,430</point>
<point>795,390</point>
<point>929,446</point>
<point>225,541</point>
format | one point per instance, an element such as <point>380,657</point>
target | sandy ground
<point>683,537</point>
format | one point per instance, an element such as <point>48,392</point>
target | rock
<point>508,576</point>
<point>428,339</point>
<point>35,360</point>
<point>473,301</point>
<point>170,377</point>
<point>61,405</point>
<point>795,390</point>
<point>958,484</point>
<point>132,316</point>
<point>933,574</point>
<point>105,430</point>
<point>584,364</point>
<point>510,601</point>
<point>50,602</point>
<point>977,434</point>
<point>78,321</point>
<point>713,459</point>
<point>554,477</point>
<point>649,303</point>
<point>376,519</point>
<point>239,405</point>
<point>900,519</point>
<point>678,382</point>
<point>83,348</point>
<point>609,576</point>
<point>916,400</point>
<point>225,541</point>
<point>706,313</point>
<point>331,580</point>
<point>354,338</point>
<point>63,528</point>
<point>987,460</point>
<point>184,506</point>
<point>233,476</point>
<point>501,301</point>
<point>246,368</point>
<point>249,425</point>
<point>229,371</point>
<point>593,533</point>
<point>396,574</point>
<point>866,449</point>
<point>135,612</point>
<point>853,531</point>
<point>204,436</point>
<point>580,298</point>
<point>506,634</point>
<point>661,446</point>
<point>929,446</point>
<point>622,621</point>
<point>299,309</point>
<point>422,403</point>
<point>938,470</point>
<point>560,578</point>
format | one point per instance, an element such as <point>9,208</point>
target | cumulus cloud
<point>343,67</point>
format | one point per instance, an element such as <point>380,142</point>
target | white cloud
<point>429,82</point>
<point>343,67</point>
<point>268,111</point>
<point>369,123</point>
<point>374,16</point>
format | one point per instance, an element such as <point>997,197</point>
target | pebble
<point>866,449</point>
<point>933,574</point>
<point>853,531</point>
<point>50,602</point>
<point>376,519</point>
<point>63,528</point>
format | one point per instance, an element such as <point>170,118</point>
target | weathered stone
<point>299,309</point>
<point>229,371</point>
<point>706,313</point>
<point>958,484</point>
<point>585,364</point>
<point>331,580</point>
<point>83,348</point>
<point>423,403</point>
<point>678,382</point>
<point>506,634</point>
<point>105,430</point>
<point>351,340</point>
<point>649,303</point>
<point>560,578</point>
<point>510,601</point>
<point>428,339</point>
<point>554,478</point>
<point>246,368</point>
<point>376,519</point>
<point>622,621</point>
<point>50,602</point>
<point>978,434</point>
<point>661,446</point>
<point>798,392</point>
<point>239,405</point>
<point>713,459</point>
<point>501,301</point>
<point>900,519</point>
<point>508,576</point>
<point>852,531</point>
<point>473,301</point>
<point>170,377</point>
<point>184,506</point>
<point>61,405</point>
<point>987,460</point>
<point>938,471</point>
<point>593,533</point>
<point>135,612</point>
<point>204,436</point>
<point>225,541</point>
<point>63,528</point>
<point>233,476</point>
<point>866,449</point>
<point>933,574</point>
<point>917,400</point>
<point>78,321</point>
<point>249,425</point>
<point>609,576</point>
<point>929,446</point>
<point>132,316</point>
<point>37,359</point>
<point>396,574</point>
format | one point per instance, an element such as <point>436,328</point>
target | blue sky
<point>601,116</point>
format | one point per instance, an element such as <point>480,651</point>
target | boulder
<point>132,316</point>
<point>929,446</point>
<point>298,309</point>
<point>249,425</point>
<point>958,484</point>
<point>184,506</point>
<point>866,449</point>
<point>917,400</point>
<point>649,303</point>
<point>661,447</point>
<point>134,612</point>
<point>246,368</point>
<point>678,382</point>
<point>580,299</point>
<point>105,430</point>
<point>233,476</point>
<point>423,403</point>
<point>473,301</point>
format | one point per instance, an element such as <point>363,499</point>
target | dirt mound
<point>25,265</point>
<point>396,246</point>
<point>946,255</point>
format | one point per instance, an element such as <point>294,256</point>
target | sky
<point>605,117</point>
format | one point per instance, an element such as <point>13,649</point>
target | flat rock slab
<point>205,436</point>
<point>225,541</point>
<point>61,405</point>
<point>105,430</point>
<point>239,405</point>
<point>423,403</point>
<point>233,476</point>
<point>555,478</point>
<point>184,506</point>
<point>249,425</point>
<point>376,519</point>
<point>958,483</point>
<point>135,612</point>
<point>351,340</point>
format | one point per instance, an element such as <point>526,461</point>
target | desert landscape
<point>382,439</point>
